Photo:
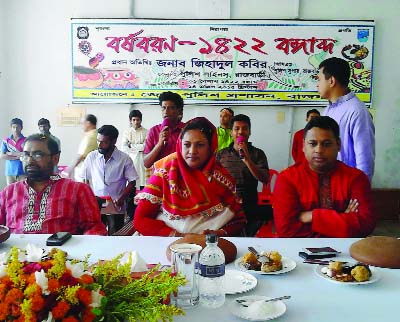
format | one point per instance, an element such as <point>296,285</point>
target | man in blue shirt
<point>357,130</point>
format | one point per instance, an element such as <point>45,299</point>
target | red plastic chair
<point>267,230</point>
<point>266,195</point>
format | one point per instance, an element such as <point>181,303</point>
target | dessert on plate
<point>274,263</point>
<point>344,273</point>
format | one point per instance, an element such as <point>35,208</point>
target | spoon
<point>260,258</point>
<point>246,303</point>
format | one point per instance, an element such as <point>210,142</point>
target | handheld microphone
<point>240,139</point>
<point>166,122</point>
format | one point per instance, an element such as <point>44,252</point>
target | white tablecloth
<point>313,298</point>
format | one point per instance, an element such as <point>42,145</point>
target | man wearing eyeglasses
<point>46,204</point>
<point>111,173</point>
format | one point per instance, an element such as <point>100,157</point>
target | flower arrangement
<point>35,286</point>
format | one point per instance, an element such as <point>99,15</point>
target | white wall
<point>36,62</point>
<point>3,108</point>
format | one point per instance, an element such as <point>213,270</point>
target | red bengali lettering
<point>241,44</point>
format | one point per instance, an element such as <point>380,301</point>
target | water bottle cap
<point>211,238</point>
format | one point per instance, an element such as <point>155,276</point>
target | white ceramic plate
<point>375,276</point>
<point>273,309</point>
<point>287,266</point>
<point>238,282</point>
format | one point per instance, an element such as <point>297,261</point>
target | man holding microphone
<point>248,165</point>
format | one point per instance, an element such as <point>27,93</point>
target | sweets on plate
<point>274,263</point>
<point>340,272</point>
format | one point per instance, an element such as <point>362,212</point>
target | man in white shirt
<point>111,173</point>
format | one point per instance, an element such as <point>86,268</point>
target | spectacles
<point>37,156</point>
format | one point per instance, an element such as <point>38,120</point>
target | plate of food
<point>276,264</point>
<point>339,273</point>
<point>257,309</point>
<point>236,282</point>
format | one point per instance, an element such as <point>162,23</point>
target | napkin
<point>137,265</point>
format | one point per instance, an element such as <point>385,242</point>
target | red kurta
<point>297,190</point>
<point>297,146</point>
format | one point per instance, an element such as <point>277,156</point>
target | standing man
<point>87,144</point>
<point>44,203</point>
<point>224,129</point>
<point>111,173</point>
<point>161,140</point>
<point>355,122</point>
<point>133,144</point>
<point>298,138</point>
<point>248,165</point>
<point>323,197</point>
<point>11,149</point>
<point>44,128</point>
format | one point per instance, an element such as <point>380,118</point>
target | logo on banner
<point>363,35</point>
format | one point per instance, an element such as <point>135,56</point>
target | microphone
<point>240,139</point>
<point>166,122</point>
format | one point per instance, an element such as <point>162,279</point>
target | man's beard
<point>36,174</point>
<point>104,151</point>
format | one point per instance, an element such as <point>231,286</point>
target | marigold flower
<point>86,279</point>
<point>38,303</point>
<point>88,316</point>
<point>4,308</point>
<point>53,285</point>
<point>60,310</point>
<point>84,296</point>
<point>14,295</point>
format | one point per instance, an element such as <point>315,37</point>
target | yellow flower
<point>14,268</point>
<point>26,309</point>
<point>58,268</point>
<point>70,294</point>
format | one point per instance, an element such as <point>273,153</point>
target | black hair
<point>91,118</point>
<point>51,144</point>
<point>170,96</point>
<point>135,113</point>
<point>241,118</point>
<point>323,122</point>
<point>109,130</point>
<point>16,121</point>
<point>338,68</point>
<point>202,124</point>
<point>44,121</point>
<point>314,110</point>
<point>228,109</point>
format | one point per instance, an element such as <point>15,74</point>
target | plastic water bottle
<point>212,271</point>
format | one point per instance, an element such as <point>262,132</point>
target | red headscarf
<point>184,191</point>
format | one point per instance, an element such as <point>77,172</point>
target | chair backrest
<point>268,188</point>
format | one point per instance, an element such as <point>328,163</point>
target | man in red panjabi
<point>323,197</point>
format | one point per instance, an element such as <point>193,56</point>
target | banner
<point>260,62</point>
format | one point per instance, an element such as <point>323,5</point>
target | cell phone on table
<point>58,239</point>
<point>315,256</point>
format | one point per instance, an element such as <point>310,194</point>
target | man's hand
<point>305,217</point>
<point>163,137</point>
<point>352,207</point>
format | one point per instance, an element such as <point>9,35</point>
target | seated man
<point>248,165</point>
<point>323,197</point>
<point>48,204</point>
<point>111,173</point>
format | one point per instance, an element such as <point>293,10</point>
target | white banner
<point>215,61</point>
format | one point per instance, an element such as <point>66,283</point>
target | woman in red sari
<point>189,191</point>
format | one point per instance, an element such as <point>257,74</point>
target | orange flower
<point>38,302</point>
<point>31,279</point>
<point>14,295</point>
<point>84,296</point>
<point>53,285</point>
<point>88,316</point>
<point>86,279</point>
<point>3,311</point>
<point>60,310</point>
